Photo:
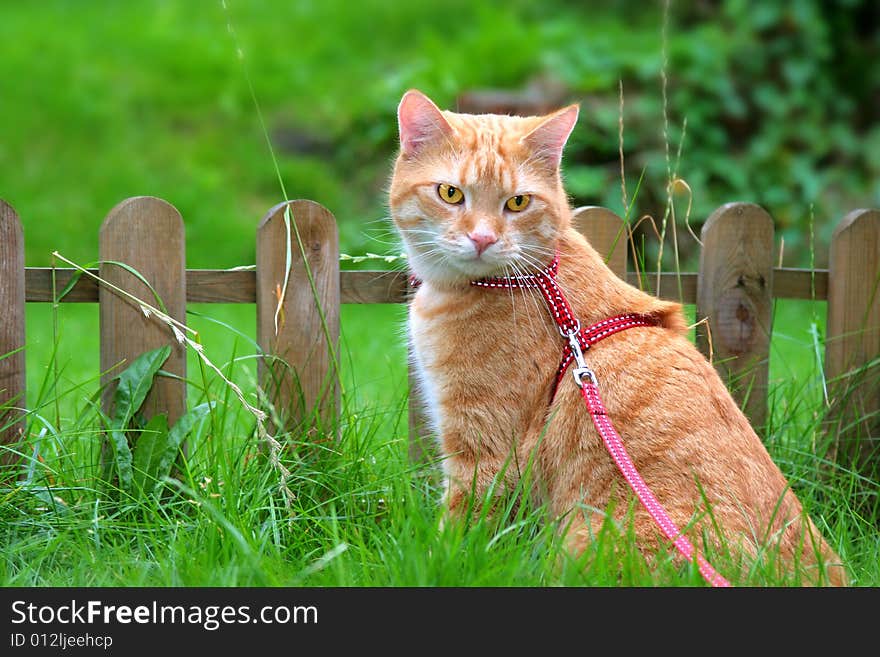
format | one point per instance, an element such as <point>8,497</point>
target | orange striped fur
<point>486,359</point>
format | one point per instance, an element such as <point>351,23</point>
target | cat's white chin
<point>455,271</point>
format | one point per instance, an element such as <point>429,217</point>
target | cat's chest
<point>470,350</point>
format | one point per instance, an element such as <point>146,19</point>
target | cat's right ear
<point>420,122</point>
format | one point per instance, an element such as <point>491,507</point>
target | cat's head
<point>478,195</point>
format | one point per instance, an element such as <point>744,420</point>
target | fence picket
<point>12,335</point>
<point>147,234</point>
<point>607,233</point>
<point>298,372</point>
<point>734,291</point>
<point>853,338</point>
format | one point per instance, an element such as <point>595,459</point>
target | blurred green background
<point>775,103</point>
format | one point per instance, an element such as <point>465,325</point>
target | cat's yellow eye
<point>450,194</point>
<point>518,203</point>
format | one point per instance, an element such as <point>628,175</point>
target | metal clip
<point>568,334</point>
<point>582,370</point>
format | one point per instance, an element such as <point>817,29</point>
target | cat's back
<point>665,398</point>
<point>682,428</point>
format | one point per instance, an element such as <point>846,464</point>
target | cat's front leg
<point>475,485</point>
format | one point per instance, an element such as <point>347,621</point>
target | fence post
<point>734,291</point>
<point>12,336</point>
<point>147,234</point>
<point>607,233</point>
<point>299,369</point>
<point>852,350</point>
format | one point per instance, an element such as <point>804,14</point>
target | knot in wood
<point>737,323</point>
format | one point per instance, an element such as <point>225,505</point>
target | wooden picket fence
<point>734,288</point>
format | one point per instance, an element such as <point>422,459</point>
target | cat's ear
<point>548,139</point>
<point>420,122</point>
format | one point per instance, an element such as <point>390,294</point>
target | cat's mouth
<point>480,264</point>
<point>457,266</point>
<point>496,261</point>
<point>482,252</point>
<point>481,259</point>
<point>458,258</point>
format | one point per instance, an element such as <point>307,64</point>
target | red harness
<point>580,340</point>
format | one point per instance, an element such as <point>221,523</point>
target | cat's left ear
<point>548,139</point>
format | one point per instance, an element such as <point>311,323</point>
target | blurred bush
<point>103,100</point>
<point>785,98</point>
<point>774,103</point>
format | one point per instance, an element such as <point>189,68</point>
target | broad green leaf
<point>151,444</point>
<point>119,442</point>
<point>176,435</point>
<point>134,384</point>
<point>106,462</point>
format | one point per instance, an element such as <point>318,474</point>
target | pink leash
<point>580,340</point>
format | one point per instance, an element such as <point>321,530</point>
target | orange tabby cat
<point>480,195</point>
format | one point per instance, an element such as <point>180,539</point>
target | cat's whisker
<point>421,231</point>
<point>531,263</point>
<point>531,267</point>
<point>385,221</point>
<point>512,298</point>
<point>429,247</point>
<point>511,269</point>
<point>390,244</point>
<point>528,296</point>
<point>537,255</point>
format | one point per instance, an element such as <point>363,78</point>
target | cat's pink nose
<point>482,240</point>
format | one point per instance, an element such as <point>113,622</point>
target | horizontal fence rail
<point>366,286</point>
<point>733,290</point>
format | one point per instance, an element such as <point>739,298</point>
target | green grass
<point>362,514</point>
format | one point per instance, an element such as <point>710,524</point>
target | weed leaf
<point>152,443</point>
<point>134,384</point>
<point>176,435</point>
<point>122,452</point>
